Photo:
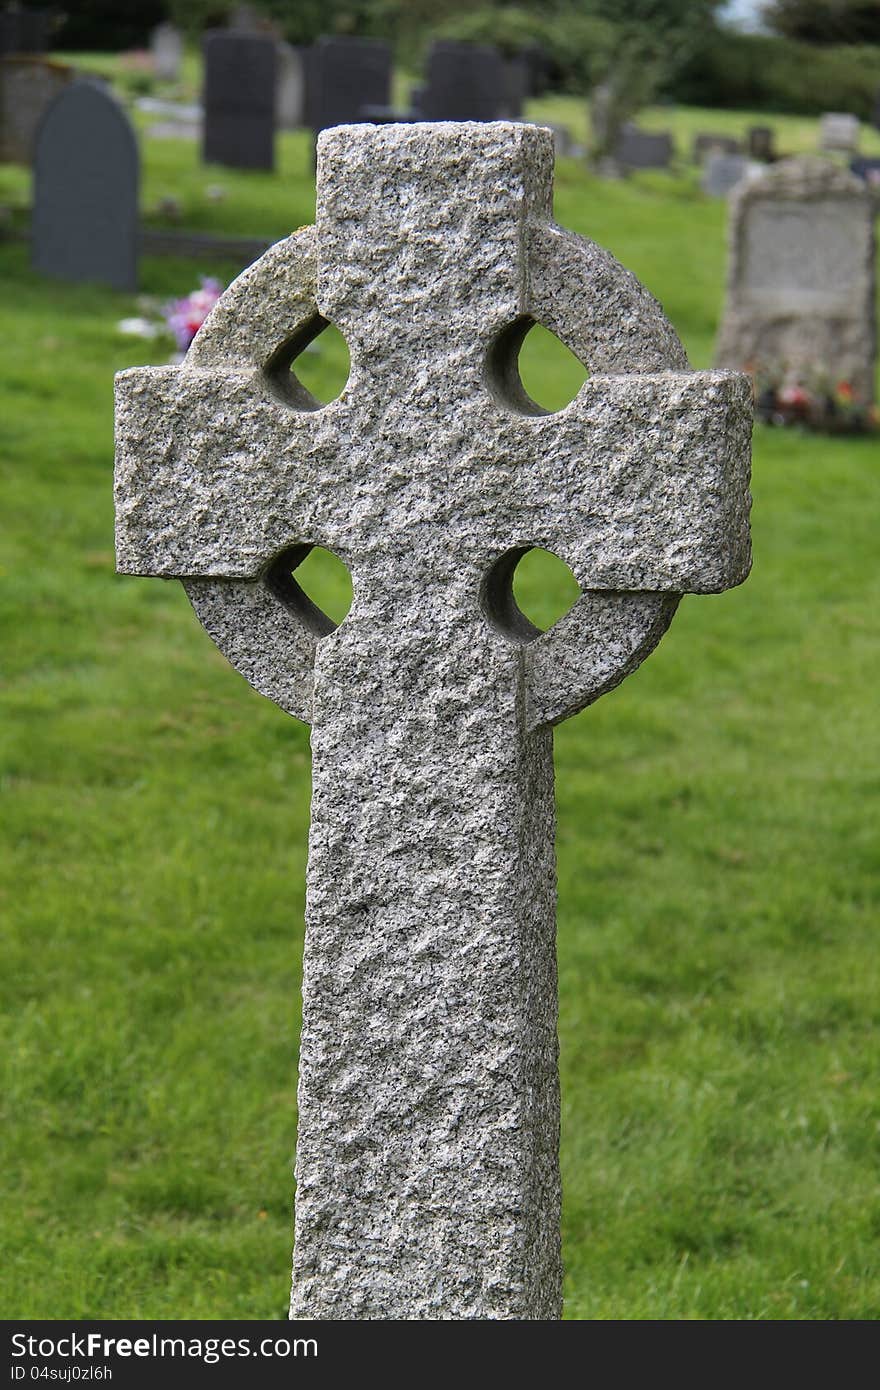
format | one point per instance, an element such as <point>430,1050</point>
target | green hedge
<point>772,74</point>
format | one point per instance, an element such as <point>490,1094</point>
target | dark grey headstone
<point>538,62</point>
<point>868,170</point>
<point>343,76</point>
<point>643,149</point>
<point>239,99</point>
<point>387,115</point>
<point>466,82</point>
<point>24,31</point>
<point>85,218</point>
<point>518,85</point>
<point>706,142</point>
<point>760,143</point>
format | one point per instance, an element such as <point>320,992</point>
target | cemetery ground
<point>718,914</point>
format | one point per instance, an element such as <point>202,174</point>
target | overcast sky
<point>743,14</point>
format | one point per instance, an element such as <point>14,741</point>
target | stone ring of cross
<point>433,272</point>
<point>427,1148</point>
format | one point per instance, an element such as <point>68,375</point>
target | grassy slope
<point>717,919</point>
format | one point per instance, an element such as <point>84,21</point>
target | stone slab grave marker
<point>290,97</point>
<point>343,76</point>
<point>707,143</point>
<point>800,282</point>
<point>839,132</point>
<point>427,1155</point>
<point>86,176</point>
<point>239,99</point>
<point>761,144</point>
<point>643,149</point>
<point>722,172</point>
<point>24,31</point>
<point>470,82</point>
<point>166,45</point>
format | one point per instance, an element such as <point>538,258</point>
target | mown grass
<point>717,865</point>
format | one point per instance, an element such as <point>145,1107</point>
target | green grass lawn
<point>718,885</point>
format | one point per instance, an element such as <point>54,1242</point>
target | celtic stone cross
<point>427,1157</point>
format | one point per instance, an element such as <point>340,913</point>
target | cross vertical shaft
<point>427,1170</point>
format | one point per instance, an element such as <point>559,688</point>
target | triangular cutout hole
<point>311,367</point>
<point>314,584</point>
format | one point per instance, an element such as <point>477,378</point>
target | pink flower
<point>794,396</point>
<point>186,316</point>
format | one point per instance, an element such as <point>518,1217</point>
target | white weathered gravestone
<point>166,44</point>
<point>290,93</point>
<point>800,284</point>
<point>839,131</point>
<point>427,1157</point>
<point>722,173</point>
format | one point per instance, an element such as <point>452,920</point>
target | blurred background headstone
<point>239,99</point>
<point>166,44</point>
<point>800,290</point>
<point>344,76</point>
<point>706,143</point>
<point>86,176</point>
<point>24,31</point>
<point>643,149</point>
<point>28,86</point>
<point>290,94</point>
<point>471,82</point>
<point>839,132</point>
<point>760,143</point>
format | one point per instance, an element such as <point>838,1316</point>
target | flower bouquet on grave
<point>185,317</point>
<point>809,398</point>
<point>180,319</point>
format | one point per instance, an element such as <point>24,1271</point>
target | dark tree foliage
<point>103,25</point>
<point>826,21</point>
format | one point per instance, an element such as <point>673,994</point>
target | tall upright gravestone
<point>24,31</point>
<point>800,285</point>
<point>290,93</point>
<point>166,46</point>
<point>343,77</point>
<point>427,1155</point>
<point>86,176</point>
<point>239,99</point>
<point>470,82</point>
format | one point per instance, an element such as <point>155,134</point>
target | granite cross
<point>427,1155</point>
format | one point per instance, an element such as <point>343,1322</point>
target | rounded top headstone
<point>86,175</point>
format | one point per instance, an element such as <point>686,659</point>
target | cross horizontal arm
<point>640,484</point>
<point>213,476</point>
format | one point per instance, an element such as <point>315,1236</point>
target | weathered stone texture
<point>427,1156</point>
<point>800,287</point>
